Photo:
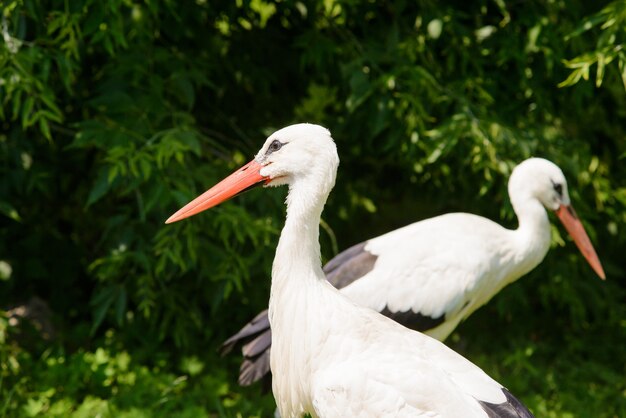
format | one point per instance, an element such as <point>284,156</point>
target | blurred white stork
<point>331,357</point>
<point>432,274</point>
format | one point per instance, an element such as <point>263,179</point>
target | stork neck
<point>530,212</point>
<point>533,232</point>
<point>297,283</point>
<point>298,249</point>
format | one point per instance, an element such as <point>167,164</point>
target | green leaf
<point>26,112</point>
<point>572,79</point>
<point>100,188</point>
<point>56,113</point>
<point>44,127</point>
<point>101,303</point>
<point>9,210</point>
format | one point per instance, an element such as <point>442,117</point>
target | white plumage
<point>433,274</point>
<point>331,357</point>
<point>453,264</point>
<point>442,272</point>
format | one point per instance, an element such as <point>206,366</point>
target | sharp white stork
<point>331,357</point>
<point>432,274</point>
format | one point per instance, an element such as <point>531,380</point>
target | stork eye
<point>558,187</point>
<point>274,146</point>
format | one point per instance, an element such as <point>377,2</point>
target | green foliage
<point>108,382</point>
<point>609,47</point>
<point>114,114</point>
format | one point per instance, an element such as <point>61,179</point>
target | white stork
<point>331,357</point>
<point>432,274</point>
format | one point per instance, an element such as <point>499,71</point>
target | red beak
<point>245,178</point>
<point>570,220</point>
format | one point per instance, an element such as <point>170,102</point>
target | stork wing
<point>425,274</point>
<point>339,394</point>
<point>256,338</point>
<point>390,372</point>
<point>494,399</point>
<point>359,264</point>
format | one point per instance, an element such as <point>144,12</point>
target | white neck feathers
<point>296,298</point>
<point>533,234</point>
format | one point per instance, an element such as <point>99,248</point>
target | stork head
<point>302,153</point>
<point>542,180</point>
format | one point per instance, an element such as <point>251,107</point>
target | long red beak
<point>244,178</point>
<point>570,220</point>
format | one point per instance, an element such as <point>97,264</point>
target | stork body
<point>440,281</point>
<point>432,274</point>
<point>331,357</point>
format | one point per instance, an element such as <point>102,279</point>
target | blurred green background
<point>115,113</point>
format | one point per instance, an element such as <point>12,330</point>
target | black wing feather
<point>512,408</point>
<point>349,265</point>
<point>414,320</point>
<point>257,326</point>
<point>256,360</point>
